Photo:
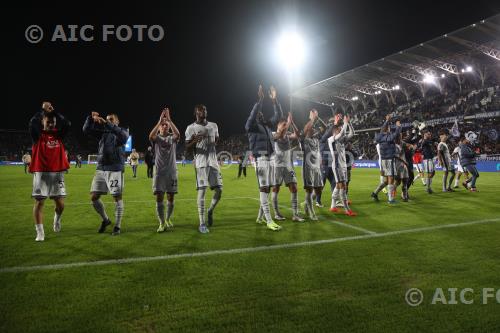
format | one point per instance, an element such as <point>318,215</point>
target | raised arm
<point>154,132</point>
<point>175,131</point>
<point>394,135</point>
<point>35,126</point>
<point>62,124</point>
<point>386,123</point>
<point>121,134</point>
<point>350,132</point>
<point>343,130</point>
<point>90,125</point>
<point>282,128</point>
<point>278,111</point>
<point>252,118</point>
<point>313,115</point>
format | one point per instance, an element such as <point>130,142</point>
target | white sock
<point>335,196</point>
<point>39,229</point>
<point>57,218</point>
<point>259,215</point>
<point>170,209</point>
<point>99,208</point>
<point>215,198</point>
<point>343,197</point>
<point>309,203</point>
<point>274,198</point>
<point>264,205</point>
<point>382,179</point>
<point>295,205</point>
<point>201,205</point>
<point>390,191</point>
<point>308,200</point>
<point>118,213</point>
<point>160,212</point>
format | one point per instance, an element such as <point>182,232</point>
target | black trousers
<point>150,170</point>
<point>241,169</point>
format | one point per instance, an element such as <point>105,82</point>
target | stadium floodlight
<point>396,87</point>
<point>291,50</point>
<point>355,98</point>
<point>468,69</point>
<point>429,78</point>
<point>443,75</point>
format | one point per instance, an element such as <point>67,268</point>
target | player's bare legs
<point>38,216</point>
<point>274,198</point>
<point>58,210</point>
<point>170,209</point>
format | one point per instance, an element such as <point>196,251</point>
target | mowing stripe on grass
<point>153,200</point>
<point>239,250</point>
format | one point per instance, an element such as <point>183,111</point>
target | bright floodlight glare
<point>355,98</point>
<point>468,69</point>
<point>291,49</point>
<point>429,78</point>
<point>396,87</point>
<point>442,75</point>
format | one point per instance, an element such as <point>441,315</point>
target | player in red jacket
<point>48,164</point>
<point>418,159</point>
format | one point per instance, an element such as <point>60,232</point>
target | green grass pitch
<point>356,283</point>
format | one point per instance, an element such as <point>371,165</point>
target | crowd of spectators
<point>453,104</point>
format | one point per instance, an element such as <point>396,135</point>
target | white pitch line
<point>238,250</point>
<point>366,231</point>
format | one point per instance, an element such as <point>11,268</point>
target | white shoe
<point>57,226</point>
<point>279,218</point>
<point>297,218</point>
<point>40,237</point>
<point>319,205</point>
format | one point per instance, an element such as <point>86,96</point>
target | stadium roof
<point>398,76</point>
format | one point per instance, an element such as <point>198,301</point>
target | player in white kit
<point>202,136</point>
<point>165,175</point>
<point>460,169</point>
<point>283,168</point>
<point>336,143</point>
<point>311,170</point>
<point>444,158</point>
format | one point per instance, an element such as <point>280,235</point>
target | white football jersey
<point>204,152</point>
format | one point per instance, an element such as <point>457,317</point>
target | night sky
<point>213,52</point>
